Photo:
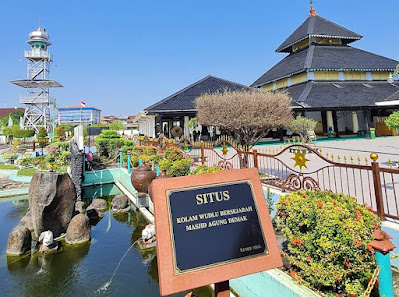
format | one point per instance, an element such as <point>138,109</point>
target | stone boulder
<point>80,206</point>
<point>79,230</point>
<point>98,204</point>
<point>120,203</point>
<point>19,241</point>
<point>51,202</point>
<point>27,221</point>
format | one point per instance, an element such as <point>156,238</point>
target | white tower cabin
<point>38,102</point>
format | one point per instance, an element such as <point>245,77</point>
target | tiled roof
<point>340,94</point>
<point>6,111</point>
<point>184,100</point>
<point>319,27</point>
<point>326,57</point>
<point>394,96</point>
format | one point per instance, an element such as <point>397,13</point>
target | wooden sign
<point>211,228</point>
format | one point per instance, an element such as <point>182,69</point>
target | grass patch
<point>8,167</point>
<point>26,172</point>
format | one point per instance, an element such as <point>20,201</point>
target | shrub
<point>49,158</point>
<point>10,156</point>
<point>173,153</point>
<point>176,168</point>
<point>202,169</point>
<point>328,234</point>
<point>302,126</point>
<point>26,172</point>
<point>108,143</point>
<point>65,158</point>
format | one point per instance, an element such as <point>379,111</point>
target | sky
<point>123,56</point>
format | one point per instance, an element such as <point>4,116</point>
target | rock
<point>27,221</point>
<point>80,205</point>
<point>98,204</point>
<point>79,230</point>
<point>120,203</point>
<point>51,201</point>
<point>19,241</point>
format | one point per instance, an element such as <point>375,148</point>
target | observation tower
<point>38,103</point>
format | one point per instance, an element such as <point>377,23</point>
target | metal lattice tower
<point>38,103</point>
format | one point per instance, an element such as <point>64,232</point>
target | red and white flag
<point>83,104</point>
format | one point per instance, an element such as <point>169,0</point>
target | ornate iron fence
<point>299,167</point>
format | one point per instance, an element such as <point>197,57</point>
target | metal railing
<point>373,186</point>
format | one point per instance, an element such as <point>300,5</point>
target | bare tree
<point>246,115</point>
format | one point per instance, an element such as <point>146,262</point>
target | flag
<point>83,104</point>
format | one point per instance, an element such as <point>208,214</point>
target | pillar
<point>329,120</point>
<point>355,122</point>
<point>367,121</point>
<point>186,129</point>
<point>335,122</point>
<point>120,158</point>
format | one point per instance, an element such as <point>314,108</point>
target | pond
<point>82,270</point>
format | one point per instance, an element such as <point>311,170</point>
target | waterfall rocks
<point>120,203</point>
<point>51,201</point>
<point>98,204</point>
<point>79,230</point>
<point>19,241</point>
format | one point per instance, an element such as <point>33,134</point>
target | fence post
<point>128,162</point>
<point>202,153</point>
<point>120,158</point>
<point>34,145</point>
<point>375,167</point>
<point>383,246</point>
<point>255,152</point>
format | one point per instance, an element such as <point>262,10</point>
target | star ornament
<point>300,159</point>
<point>224,149</point>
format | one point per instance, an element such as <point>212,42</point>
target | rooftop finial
<point>312,10</point>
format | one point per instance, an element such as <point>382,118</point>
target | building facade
<point>330,81</point>
<point>76,115</point>
<point>171,115</point>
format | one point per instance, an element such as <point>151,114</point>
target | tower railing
<point>37,54</point>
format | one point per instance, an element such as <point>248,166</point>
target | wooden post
<point>33,145</point>
<point>222,289</point>
<point>202,153</point>
<point>255,158</point>
<point>375,168</point>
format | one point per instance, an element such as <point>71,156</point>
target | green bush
<point>65,158</point>
<point>49,158</point>
<point>108,143</point>
<point>176,168</point>
<point>202,169</point>
<point>173,153</point>
<point>10,156</point>
<point>328,234</point>
<point>26,172</point>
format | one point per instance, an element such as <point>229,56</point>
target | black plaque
<point>218,228</point>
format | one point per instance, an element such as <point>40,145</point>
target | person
<point>89,160</point>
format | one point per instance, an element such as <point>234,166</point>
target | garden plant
<point>328,241</point>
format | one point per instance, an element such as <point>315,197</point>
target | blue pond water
<point>82,270</point>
